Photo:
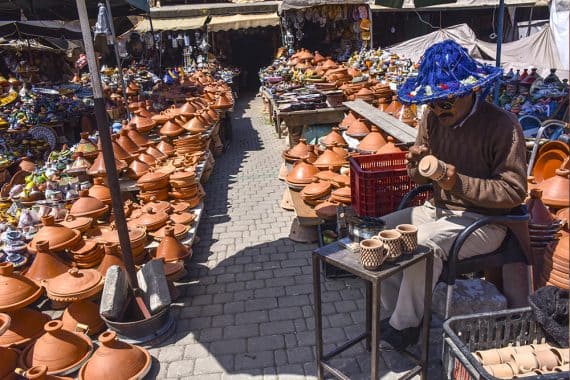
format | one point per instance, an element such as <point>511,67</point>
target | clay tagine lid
<point>143,124</point>
<point>58,236</point>
<point>389,147</point>
<point>60,350</point>
<point>182,217</point>
<point>78,223</point>
<point>137,169</point>
<point>329,158</point>
<point>16,291</point>
<point>137,235</point>
<point>301,150</point>
<point>87,206</point>
<point>158,206</point>
<point>126,143</point>
<point>334,137</point>
<point>302,173</point>
<point>86,147</point>
<point>100,191</point>
<point>556,190</point>
<point>74,285</point>
<point>39,372</point>
<point>358,129</point>
<point>27,324</point>
<point>316,188</point>
<point>170,249</point>
<point>112,257</point>
<point>171,129</point>
<point>136,137</point>
<point>157,154</point>
<point>373,141</point>
<point>116,360</point>
<point>83,313</point>
<point>46,265</point>
<point>539,213</point>
<point>152,219</point>
<point>165,147</point>
<point>120,153</point>
<point>98,168</point>
<point>8,363</point>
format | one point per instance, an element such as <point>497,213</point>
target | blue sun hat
<point>446,71</point>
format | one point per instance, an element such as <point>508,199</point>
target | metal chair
<point>514,249</point>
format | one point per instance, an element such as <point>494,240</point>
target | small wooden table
<point>296,120</point>
<point>334,254</point>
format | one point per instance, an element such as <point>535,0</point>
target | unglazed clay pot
<point>84,313</point>
<point>143,124</point>
<point>39,372</point>
<point>301,150</point>
<point>100,191</point>
<point>329,158</point>
<point>170,249</point>
<point>86,147</point>
<point>127,144</point>
<point>171,129</point>
<point>87,206</point>
<point>358,129</point>
<point>119,152</point>
<point>302,173</point>
<point>556,190</point>
<point>26,325</point>
<point>137,169</point>
<point>8,363</point>
<point>46,265</point>
<point>165,147</point>
<point>112,257</point>
<point>334,137</point>
<point>539,213</point>
<point>58,236</point>
<point>74,285</point>
<point>136,137</point>
<point>98,168</point>
<point>81,224</point>
<point>116,360</point>
<point>157,154</point>
<point>58,349</point>
<point>389,147</point>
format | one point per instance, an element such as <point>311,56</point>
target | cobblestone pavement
<point>245,309</point>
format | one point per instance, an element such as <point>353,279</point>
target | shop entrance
<point>249,50</point>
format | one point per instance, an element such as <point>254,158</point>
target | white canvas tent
<point>539,50</point>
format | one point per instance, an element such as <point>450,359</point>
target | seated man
<point>484,150</point>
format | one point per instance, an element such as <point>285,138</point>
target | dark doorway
<point>249,50</point>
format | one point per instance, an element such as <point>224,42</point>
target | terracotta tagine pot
<point>556,190</point>
<point>182,217</point>
<point>143,124</point>
<point>394,108</point>
<point>197,124</point>
<point>153,180</point>
<point>16,291</point>
<point>180,230</point>
<point>179,206</point>
<point>79,165</point>
<point>334,137</point>
<point>46,265</point>
<point>171,129</point>
<point>340,151</point>
<point>81,224</point>
<point>158,206</point>
<point>147,159</point>
<point>170,249</point>
<point>213,114</point>
<point>373,141</point>
<point>119,152</point>
<point>358,129</point>
<point>112,257</point>
<point>302,173</point>
<point>83,313</point>
<point>326,175</point>
<point>116,360</point>
<point>9,363</point>
<point>60,350</point>
<point>86,147</point>
<point>316,189</point>
<point>74,285</point>
<point>100,191</point>
<point>165,147</point>
<point>98,168</point>
<point>152,220</point>
<point>182,178</point>
<point>137,169</point>
<point>127,144</point>
<point>136,137</point>
<point>222,103</point>
<point>58,236</point>
<point>137,236</point>
<point>539,214</point>
<point>87,206</point>
<point>389,147</point>
<point>330,158</point>
<point>155,153</point>
<point>39,372</point>
<point>188,109</point>
<point>26,325</point>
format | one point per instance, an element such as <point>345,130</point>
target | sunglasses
<point>444,105</point>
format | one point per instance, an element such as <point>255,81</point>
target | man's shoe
<point>400,339</point>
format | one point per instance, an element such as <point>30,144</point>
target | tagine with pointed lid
<point>58,236</point>
<point>27,324</point>
<point>100,191</point>
<point>86,147</point>
<point>222,102</point>
<point>373,141</point>
<point>143,124</point>
<point>87,206</point>
<point>39,372</point>
<point>165,147</point>
<point>155,153</point>
<point>112,257</point>
<point>119,152</point>
<point>83,312</point>
<point>389,147</point>
<point>137,169</point>
<point>300,150</point>
<point>330,158</point>
<point>16,291</point>
<point>334,137</point>
<point>358,129</point>
<point>136,137</point>
<point>326,175</point>
<point>79,165</point>
<point>350,118</point>
<point>188,109</point>
<point>98,168</point>
<point>395,107</point>
<point>539,213</point>
<point>171,129</point>
<point>46,265</point>
<point>116,360</point>
<point>170,249</point>
<point>59,349</point>
<point>302,173</point>
<point>556,190</point>
<point>147,159</point>
<point>197,124</point>
<point>126,143</point>
<point>137,236</point>
<point>151,219</point>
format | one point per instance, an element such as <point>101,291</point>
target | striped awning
<point>243,21</point>
<point>162,24</point>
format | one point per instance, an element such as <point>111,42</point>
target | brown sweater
<point>489,154</point>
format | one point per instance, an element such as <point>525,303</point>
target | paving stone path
<point>245,309</point>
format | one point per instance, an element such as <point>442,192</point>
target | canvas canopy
<point>162,24</point>
<point>300,4</point>
<point>242,21</point>
<point>451,4</point>
<point>537,50</point>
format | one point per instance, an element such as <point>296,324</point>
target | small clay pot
<point>488,357</point>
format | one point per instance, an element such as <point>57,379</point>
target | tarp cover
<point>242,21</point>
<point>161,24</point>
<point>54,29</point>
<point>300,4</point>
<point>410,4</point>
<point>537,50</point>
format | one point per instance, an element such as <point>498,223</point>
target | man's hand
<point>415,154</point>
<point>448,182</point>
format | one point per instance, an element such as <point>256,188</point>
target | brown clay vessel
<point>136,137</point>
<point>170,249</point>
<point>39,372</point>
<point>389,147</point>
<point>58,236</point>
<point>46,265</point>
<point>112,257</point>
<point>100,191</point>
<point>16,291</point>
<point>334,137</point>
<point>83,313</point>
<point>27,324</point>
<point>87,206</point>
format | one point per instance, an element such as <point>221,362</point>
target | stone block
<point>115,290</point>
<point>152,281</point>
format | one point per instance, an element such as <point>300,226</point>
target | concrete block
<point>153,283</point>
<point>115,291</point>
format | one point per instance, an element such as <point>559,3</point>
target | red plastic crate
<point>378,183</point>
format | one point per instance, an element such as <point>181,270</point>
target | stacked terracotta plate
<point>316,192</point>
<point>341,195</point>
<point>189,144</point>
<point>138,238</point>
<point>153,185</point>
<point>87,254</point>
<point>301,175</point>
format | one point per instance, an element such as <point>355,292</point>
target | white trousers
<point>402,295</point>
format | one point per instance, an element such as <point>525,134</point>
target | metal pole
<point>156,50</point>
<point>108,155</point>
<point>529,21</point>
<point>499,46</point>
<point>118,58</point>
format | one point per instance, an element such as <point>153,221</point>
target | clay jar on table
<point>62,351</point>
<point>116,360</point>
<point>16,291</point>
<point>46,265</point>
<point>58,236</point>
<point>170,249</point>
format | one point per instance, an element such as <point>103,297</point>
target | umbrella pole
<point>499,46</point>
<point>118,58</point>
<point>108,155</point>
